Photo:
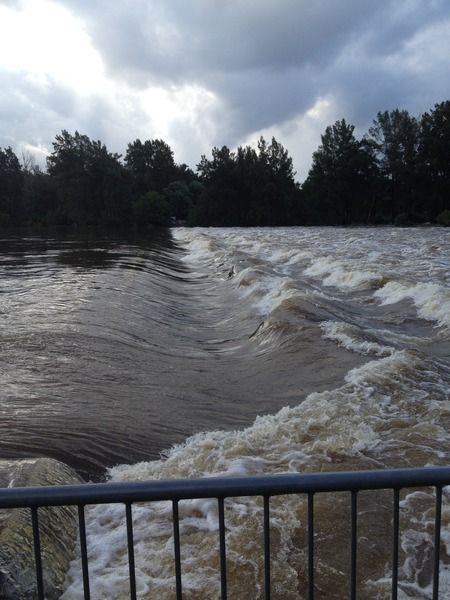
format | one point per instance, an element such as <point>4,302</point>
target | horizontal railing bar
<point>222,487</point>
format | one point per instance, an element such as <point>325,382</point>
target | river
<point>297,349</point>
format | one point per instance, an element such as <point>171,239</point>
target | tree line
<point>398,172</point>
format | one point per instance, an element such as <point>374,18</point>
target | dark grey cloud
<point>31,113</point>
<point>175,41</point>
<point>266,62</point>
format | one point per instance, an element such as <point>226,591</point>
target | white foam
<point>341,274</point>
<point>200,245</point>
<point>268,291</point>
<point>431,299</point>
<point>383,411</point>
<point>417,520</point>
<point>352,338</point>
<point>289,256</point>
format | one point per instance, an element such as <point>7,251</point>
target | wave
<point>267,292</point>
<point>341,275</point>
<point>383,415</point>
<point>330,335</point>
<point>431,299</point>
<point>353,338</point>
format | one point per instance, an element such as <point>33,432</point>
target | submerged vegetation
<point>397,173</point>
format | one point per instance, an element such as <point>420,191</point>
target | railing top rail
<point>223,487</point>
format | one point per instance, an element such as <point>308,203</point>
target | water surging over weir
<point>363,315</point>
<point>339,339</point>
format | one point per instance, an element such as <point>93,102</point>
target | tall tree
<point>91,182</point>
<point>217,203</point>
<point>337,188</point>
<point>10,188</point>
<point>279,192</point>
<point>248,187</point>
<point>40,200</point>
<point>395,138</point>
<point>151,164</point>
<point>434,155</point>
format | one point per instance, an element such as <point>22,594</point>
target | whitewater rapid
<point>369,308</point>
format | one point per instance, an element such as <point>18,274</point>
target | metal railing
<point>221,488</point>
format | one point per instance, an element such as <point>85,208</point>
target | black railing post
<point>37,553</point>
<point>83,551</point>
<point>354,549</point>
<point>310,546</point>
<point>222,550</point>
<point>176,545</point>
<point>130,543</point>
<point>437,542</point>
<point>265,486</point>
<point>395,542</point>
<point>267,586</point>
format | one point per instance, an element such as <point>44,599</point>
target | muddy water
<point>291,349</point>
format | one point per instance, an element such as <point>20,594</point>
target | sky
<point>206,73</point>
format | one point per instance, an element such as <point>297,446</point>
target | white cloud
<point>45,42</point>
<point>200,74</point>
<point>45,48</point>
<point>426,51</point>
<point>301,135</point>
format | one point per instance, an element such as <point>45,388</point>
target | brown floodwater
<point>234,352</point>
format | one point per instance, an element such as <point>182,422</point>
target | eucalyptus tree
<point>247,187</point>
<point>279,191</point>
<point>151,164</point>
<point>10,187</point>
<point>434,152</point>
<point>90,181</point>
<point>395,138</point>
<point>338,189</point>
<point>216,205</point>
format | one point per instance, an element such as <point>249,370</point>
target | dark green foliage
<point>40,198</point>
<point>247,187</point>
<point>395,138</point>
<point>181,197</point>
<point>10,188</point>
<point>91,183</point>
<point>151,165</point>
<point>398,173</point>
<point>340,181</point>
<point>434,153</point>
<point>151,209</point>
<point>87,185</point>
<point>443,218</point>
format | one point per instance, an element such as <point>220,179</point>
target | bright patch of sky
<point>200,74</point>
<point>44,41</point>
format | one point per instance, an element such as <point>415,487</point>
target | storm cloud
<point>209,73</point>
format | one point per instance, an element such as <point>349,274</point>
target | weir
<point>220,488</point>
